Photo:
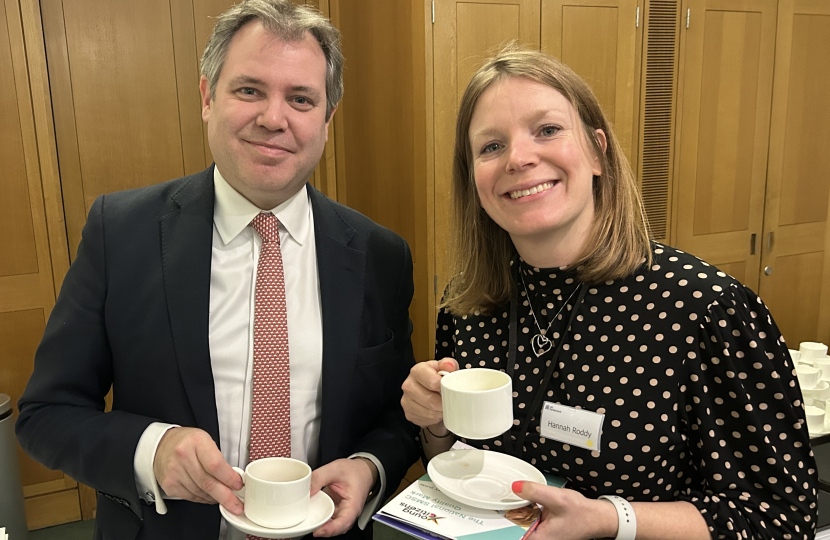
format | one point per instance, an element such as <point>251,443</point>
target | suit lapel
<point>341,272</point>
<point>186,239</point>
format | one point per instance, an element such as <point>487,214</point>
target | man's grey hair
<point>288,22</point>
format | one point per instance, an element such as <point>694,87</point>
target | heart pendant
<point>541,344</point>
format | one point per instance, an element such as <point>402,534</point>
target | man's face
<point>267,124</point>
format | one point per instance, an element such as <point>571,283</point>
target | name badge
<point>577,427</point>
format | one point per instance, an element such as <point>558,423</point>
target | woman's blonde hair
<point>618,242</point>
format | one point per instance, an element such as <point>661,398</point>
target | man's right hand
<point>189,465</point>
<point>421,399</point>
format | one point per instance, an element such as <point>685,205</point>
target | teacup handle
<point>241,492</point>
<point>443,373</point>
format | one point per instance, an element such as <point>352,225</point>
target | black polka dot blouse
<point>699,393</point>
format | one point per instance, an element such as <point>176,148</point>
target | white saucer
<point>814,434</point>
<point>481,478</point>
<point>320,510</point>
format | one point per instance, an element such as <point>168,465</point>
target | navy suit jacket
<point>132,314</point>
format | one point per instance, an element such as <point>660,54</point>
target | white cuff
<point>145,453</point>
<point>372,504</point>
<point>626,520</point>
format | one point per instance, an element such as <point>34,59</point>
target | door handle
<point>752,239</point>
<point>769,241</point>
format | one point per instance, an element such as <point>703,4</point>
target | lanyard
<point>512,359</point>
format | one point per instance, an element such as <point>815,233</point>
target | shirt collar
<point>233,212</point>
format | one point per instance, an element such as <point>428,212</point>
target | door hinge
<point>637,24</point>
<point>433,11</point>
<point>688,16</point>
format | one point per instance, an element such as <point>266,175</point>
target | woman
<point>703,428</point>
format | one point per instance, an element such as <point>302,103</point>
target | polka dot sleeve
<point>741,408</point>
<point>444,335</point>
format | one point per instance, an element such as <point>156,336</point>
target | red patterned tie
<point>271,413</point>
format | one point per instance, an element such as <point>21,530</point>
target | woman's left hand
<point>567,514</point>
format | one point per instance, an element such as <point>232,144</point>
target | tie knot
<point>267,225</point>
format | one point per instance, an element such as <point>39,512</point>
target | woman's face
<point>532,163</point>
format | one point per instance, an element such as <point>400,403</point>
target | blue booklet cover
<point>424,512</point>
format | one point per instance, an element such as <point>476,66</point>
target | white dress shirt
<point>235,252</point>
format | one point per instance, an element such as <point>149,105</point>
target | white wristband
<point>627,521</point>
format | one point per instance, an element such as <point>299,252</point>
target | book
<point>423,511</point>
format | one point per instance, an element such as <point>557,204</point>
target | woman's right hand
<point>421,399</point>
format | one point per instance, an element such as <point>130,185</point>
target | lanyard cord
<point>517,450</point>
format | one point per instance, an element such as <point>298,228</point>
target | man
<point>236,313</point>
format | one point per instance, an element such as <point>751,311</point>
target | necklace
<point>541,343</point>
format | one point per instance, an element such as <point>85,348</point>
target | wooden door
<point>598,40</point>
<point>465,33</point>
<point>727,53</point>
<point>795,282</point>
<point>27,288</point>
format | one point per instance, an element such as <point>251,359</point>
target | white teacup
<point>815,418</point>
<point>810,350</point>
<point>477,402</point>
<point>795,355</point>
<point>276,492</point>
<point>816,395</point>
<point>808,376</point>
<point>822,363</point>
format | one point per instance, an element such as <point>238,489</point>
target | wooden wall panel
<point>380,181</point>
<point>728,101</point>
<point>45,135</point>
<point>805,193</point>
<point>125,100</point>
<point>194,154</point>
<point>17,243</point>
<point>600,69</point>
<point>737,270</point>
<point>481,29</point>
<point>791,293</point>
<point>26,297</point>
<point>117,114</point>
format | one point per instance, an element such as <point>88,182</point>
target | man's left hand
<point>347,481</point>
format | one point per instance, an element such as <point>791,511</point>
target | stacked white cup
<point>812,367</point>
<point>810,350</point>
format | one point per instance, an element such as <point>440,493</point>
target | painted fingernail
<point>517,486</point>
